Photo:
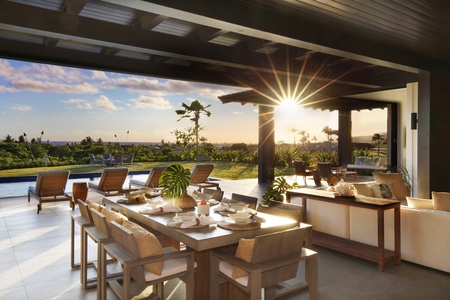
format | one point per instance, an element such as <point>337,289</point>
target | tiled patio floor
<point>35,260</point>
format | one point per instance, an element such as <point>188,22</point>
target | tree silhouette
<point>378,139</point>
<point>194,112</point>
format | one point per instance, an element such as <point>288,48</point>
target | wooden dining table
<point>201,240</point>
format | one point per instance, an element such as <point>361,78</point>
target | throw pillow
<point>383,190</point>
<point>441,200</point>
<point>396,179</point>
<point>419,203</point>
<point>113,216</point>
<point>147,244</point>
<point>364,189</point>
<point>245,252</point>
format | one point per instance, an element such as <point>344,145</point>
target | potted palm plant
<point>174,182</point>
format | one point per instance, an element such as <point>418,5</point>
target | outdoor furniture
<point>200,176</point>
<point>83,219</point>
<point>118,159</point>
<point>152,179</point>
<point>95,160</point>
<point>111,181</point>
<point>250,200</point>
<point>50,187</point>
<point>100,233</point>
<point>274,258</point>
<point>216,194</point>
<point>327,173</point>
<point>127,250</point>
<point>128,159</point>
<point>201,240</point>
<point>300,170</point>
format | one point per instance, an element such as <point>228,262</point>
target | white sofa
<point>425,233</point>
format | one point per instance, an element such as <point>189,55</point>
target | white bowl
<point>201,196</point>
<point>238,206</point>
<point>240,217</point>
<point>187,216</point>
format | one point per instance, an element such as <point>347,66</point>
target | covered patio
<point>36,261</point>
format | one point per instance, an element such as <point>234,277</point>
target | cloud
<point>105,103</point>
<point>79,103</point>
<point>99,75</point>
<point>43,86</point>
<point>152,102</point>
<point>238,113</point>
<point>21,107</point>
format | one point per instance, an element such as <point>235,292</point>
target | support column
<point>266,144</point>
<point>345,137</point>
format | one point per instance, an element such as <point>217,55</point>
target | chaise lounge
<point>50,187</point>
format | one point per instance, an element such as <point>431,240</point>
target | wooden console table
<point>377,254</point>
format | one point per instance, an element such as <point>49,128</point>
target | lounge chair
<point>111,181</point>
<point>128,159</point>
<point>94,160</point>
<point>152,179</point>
<point>50,187</point>
<point>200,177</point>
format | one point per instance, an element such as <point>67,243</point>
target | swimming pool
<point>19,188</point>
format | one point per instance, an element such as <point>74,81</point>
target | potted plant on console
<point>174,182</point>
<point>276,191</point>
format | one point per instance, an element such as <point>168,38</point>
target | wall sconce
<point>414,120</point>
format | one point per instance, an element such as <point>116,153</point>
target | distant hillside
<point>366,138</point>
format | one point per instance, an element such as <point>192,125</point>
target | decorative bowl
<point>240,217</point>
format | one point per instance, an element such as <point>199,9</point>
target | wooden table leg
<point>381,250</point>
<point>397,236</point>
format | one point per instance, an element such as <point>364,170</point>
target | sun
<point>287,105</point>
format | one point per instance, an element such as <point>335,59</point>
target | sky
<point>70,104</point>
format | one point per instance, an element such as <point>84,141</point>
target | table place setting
<point>242,220</point>
<point>190,220</point>
<point>159,209</point>
<point>141,196</point>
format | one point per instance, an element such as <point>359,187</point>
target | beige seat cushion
<point>396,179</point>
<point>441,200</point>
<point>419,203</point>
<point>113,216</point>
<point>148,245</point>
<point>244,252</point>
<point>95,205</point>
<point>364,189</point>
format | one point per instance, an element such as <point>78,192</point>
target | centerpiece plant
<point>174,182</point>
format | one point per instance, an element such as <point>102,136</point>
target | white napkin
<point>167,207</point>
<point>202,220</point>
<point>224,207</point>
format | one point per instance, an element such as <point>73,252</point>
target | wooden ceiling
<point>310,50</point>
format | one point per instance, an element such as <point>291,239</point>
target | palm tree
<point>194,112</point>
<point>378,138</point>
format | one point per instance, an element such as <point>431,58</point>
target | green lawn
<point>225,170</point>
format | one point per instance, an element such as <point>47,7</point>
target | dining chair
<point>327,173</point>
<point>216,194</point>
<point>294,212</point>
<point>50,187</point>
<point>128,159</point>
<point>131,249</point>
<point>152,179</point>
<point>100,233</point>
<point>300,170</point>
<point>263,262</point>
<point>250,200</point>
<point>83,219</point>
<point>111,181</point>
<point>200,177</point>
